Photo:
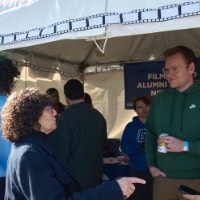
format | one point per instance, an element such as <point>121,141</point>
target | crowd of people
<point>34,170</point>
<point>56,151</point>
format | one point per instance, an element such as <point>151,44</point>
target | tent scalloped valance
<point>164,13</point>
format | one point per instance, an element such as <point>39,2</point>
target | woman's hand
<point>127,186</point>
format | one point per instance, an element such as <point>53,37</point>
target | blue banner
<point>146,78</point>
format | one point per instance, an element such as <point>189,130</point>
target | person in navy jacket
<point>34,171</point>
<point>132,144</point>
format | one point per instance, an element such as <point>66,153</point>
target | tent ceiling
<point>61,40</point>
<point>118,50</point>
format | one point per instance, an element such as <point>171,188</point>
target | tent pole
<point>82,68</point>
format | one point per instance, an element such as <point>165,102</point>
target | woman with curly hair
<point>34,171</point>
<point>7,74</point>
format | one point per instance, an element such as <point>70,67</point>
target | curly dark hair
<point>7,74</point>
<point>21,113</point>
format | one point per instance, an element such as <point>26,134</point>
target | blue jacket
<point>4,144</point>
<point>35,172</point>
<point>132,144</point>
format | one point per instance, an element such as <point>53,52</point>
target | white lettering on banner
<point>154,92</point>
<point>155,76</point>
<point>162,84</point>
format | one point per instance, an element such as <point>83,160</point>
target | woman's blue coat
<point>35,172</point>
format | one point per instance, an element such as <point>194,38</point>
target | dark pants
<point>2,188</point>
<point>142,192</point>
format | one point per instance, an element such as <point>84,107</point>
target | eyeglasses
<point>171,69</point>
<point>174,69</point>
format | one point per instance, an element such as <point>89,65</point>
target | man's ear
<point>191,68</point>
<point>67,100</point>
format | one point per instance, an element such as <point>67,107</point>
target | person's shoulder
<point>94,109</point>
<point>27,153</point>
<point>2,100</point>
<point>129,126</point>
<point>97,112</point>
<point>20,150</point>
<point>62,106</point>
<point>195,88</point>
<point>33,142</point>
<point>163,94</point>
<point>70,113</point>
<point>67,111</point>
<point>197,82</point>
<point>134,123</point>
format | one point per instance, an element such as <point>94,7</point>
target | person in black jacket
<point>34,170</point>
<point>55,101</point>
<point>80,137</point>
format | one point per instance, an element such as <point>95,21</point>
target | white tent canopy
<point>65,35</point>
<point>81,37</point>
